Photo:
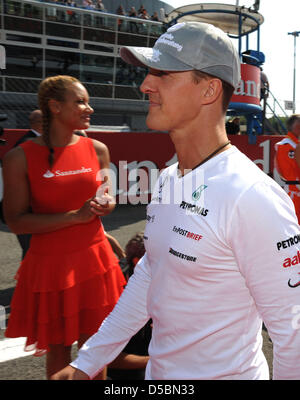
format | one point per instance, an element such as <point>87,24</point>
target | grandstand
<point>45,38</point>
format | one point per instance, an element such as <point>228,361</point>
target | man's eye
<point>158,73</point>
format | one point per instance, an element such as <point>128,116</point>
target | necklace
<point>212,154</point>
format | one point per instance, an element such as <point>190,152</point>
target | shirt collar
<point>36,132</point>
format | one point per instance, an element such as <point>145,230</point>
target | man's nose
<point>148,84</point>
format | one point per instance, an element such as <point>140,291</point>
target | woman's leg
<point>57,358</point>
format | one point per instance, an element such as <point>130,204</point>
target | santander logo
<point>57,173</point>
<point>48,174</point>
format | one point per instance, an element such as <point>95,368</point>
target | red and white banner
<point>137,158</point>
<point>248,90</point>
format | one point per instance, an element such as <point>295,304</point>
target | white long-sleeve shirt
<point>222,254</point>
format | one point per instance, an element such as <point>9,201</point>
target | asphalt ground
<point>123,223</point>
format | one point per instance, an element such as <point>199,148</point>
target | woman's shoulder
<point>100,147</point>
<point>14,157</point>
<point>28,143</point>
<point>85,140</point>
<point>23,150</point>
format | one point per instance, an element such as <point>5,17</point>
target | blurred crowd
<point>98,5</point>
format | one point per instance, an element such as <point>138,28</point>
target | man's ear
<point>54,106</point>
<point>213,91</point>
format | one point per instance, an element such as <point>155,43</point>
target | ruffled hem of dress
<point>47,318</point>
<point>49,272</point>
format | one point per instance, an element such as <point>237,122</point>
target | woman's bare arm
<point>16,201</point>
<point>104,202</point>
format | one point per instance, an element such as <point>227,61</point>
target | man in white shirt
<point>221,238</point>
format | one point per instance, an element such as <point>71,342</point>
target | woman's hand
<point>103,205</point>
<point>85,213</point>
<point>69,373</point>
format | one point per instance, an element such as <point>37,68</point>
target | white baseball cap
<point>189,46</point>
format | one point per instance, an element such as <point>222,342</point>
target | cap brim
<point>152,58</point>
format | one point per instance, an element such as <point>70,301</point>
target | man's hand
<point>70,373</point>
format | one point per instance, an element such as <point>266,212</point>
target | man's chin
<point>155,125</point>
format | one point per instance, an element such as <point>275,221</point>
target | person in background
<point>134,250</point>
<point>88,4</point>
<point>72,16</point>
<point>220,250</point>
<point>132,361</point>
<point>287,164</point>
<point>36,127</point>
<point>133,26</point>
<point>100,6</point>
<point>132,12</point>
<point>264,86</point>
<point>70,278</point>
<point>154,17</point>
<point>233,126</point>
<point>141,9</point>
<point>144,14</point>
<point>120,11</point>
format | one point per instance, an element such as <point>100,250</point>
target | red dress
<point>70,279</point>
